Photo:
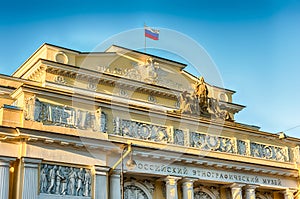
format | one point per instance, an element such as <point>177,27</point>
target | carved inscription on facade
<point>142,131</point>
<point>63,180</point>
<point>211,174</point>
<point>51,114</point>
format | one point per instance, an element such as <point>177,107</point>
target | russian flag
<point>151,33</point>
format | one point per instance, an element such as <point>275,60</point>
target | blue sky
<point>255,44</point>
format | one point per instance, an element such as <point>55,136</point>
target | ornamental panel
<point>50,114</point>
<point>269,152</point>
<point>141,130</point>
<point>64,180</point>
<point>212,142</point>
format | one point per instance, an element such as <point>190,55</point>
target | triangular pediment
<point>149,69</point>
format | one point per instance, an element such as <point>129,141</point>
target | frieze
<point>64,180</point>
<point>50,114</point>
<point>202,141</point>
<point>212,142</point>
<point>212,174</point>
<point>141,130</point>
<point>269,152</point>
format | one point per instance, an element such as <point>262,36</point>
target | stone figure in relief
<point>80,178</point>
<point>64,182</point>
<point>59,178</point>
<point>186,103</point>
<point>44,180</point>
<point>72,181</point>
<point>87,182</point>
<point>52,179</point>
<point>151,70</point>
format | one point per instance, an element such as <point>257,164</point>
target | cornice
<point>251,166</point>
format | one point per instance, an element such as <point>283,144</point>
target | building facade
<point>122,124</point>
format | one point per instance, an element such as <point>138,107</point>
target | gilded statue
<point>197,103</point>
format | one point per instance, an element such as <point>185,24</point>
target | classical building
<point>125,124</point>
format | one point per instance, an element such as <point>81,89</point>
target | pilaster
<point>115,185</point>
<point>30,178</point>
<point>101,181</point>
<point>4,176</point>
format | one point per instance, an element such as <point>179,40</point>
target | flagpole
<point>145,38</point>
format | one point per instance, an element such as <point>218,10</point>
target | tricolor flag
<point>151,33</point>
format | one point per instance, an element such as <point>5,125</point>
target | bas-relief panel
<point>64,180</point>
<point>203,141</point>
<point>50,114</point>
<point>142,131</point>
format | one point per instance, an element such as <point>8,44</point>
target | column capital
<point>251,186</point>
<point>188,180</point>
<point>31,162</point>
<point>101,170</point>
<point>171,180</point>
<point>236,185</point>
<point>5,161</point>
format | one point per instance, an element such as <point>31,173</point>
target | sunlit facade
<point>126,124</point>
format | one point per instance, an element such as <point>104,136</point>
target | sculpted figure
<point>80,178</point>
<point>44,179</point>
<point>186,103</point>
<point>64,184</point>
<point>72,180</point>
<point>52,178</point>
<point>59,177</point>
<point>87,182</point>
<point>201,92</point>
<point>151,71</point>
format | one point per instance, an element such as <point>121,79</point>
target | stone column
<point>289,193</point>
<point>101,182</point>
<point>4,177</point>
<point>188,188</point>
<point>171,187</point>
<point>30,178</point>
<point>236,191</point>
<point>115,185</point>
<point>250,191</point>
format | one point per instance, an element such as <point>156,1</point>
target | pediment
<point>149,69</point>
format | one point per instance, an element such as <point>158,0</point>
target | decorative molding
<point>206,192</point>
<point>61,57</point>
<point>59,79</point>
<point>138,190</point>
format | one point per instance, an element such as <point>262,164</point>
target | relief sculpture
<point>51,114</point>
<point>212,143</point>
<point>269,152</point>
<point>63,180</point>
<point>141,130</point>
